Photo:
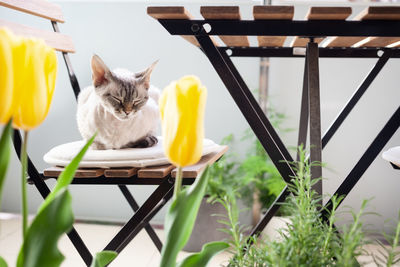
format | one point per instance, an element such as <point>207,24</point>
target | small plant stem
<point>24,162</point>
<point>178,182</point>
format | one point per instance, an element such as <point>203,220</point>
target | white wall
<point>124,36</point>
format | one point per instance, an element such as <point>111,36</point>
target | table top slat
<point>379,13</point>
<point>174,12</point>
<point>272,13</point>
<point>369,13</point>
<point>322,13</point>
<point>228,13</point>
<point>380,41</point>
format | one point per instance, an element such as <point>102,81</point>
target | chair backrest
<point>51,12</point>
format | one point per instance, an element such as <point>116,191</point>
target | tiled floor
<point>139,253</point>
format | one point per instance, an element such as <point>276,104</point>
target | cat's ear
<point>144,76</point>
<point>100,71</point>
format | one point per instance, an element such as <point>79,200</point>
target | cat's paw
<point>148,141</point>
<point>98,146</point>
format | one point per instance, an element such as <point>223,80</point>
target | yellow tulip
<point>35,71</point>
<point>7,42</point>
<point>182,106</point>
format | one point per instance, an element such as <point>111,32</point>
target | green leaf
<point>103,258</point>
<point>3,263</point>
<point>180,219</point>
<point>53,219</point>
<point>67,175</point>
<point>5,151</point>
<point>202,258</point>
<point>40,245</point>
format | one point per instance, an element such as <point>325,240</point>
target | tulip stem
<point>24,162</point>
<point>178,182</point>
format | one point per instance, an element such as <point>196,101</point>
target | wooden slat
<point>40,8</point>
<point>228,13</point>
<point>58,41</point>
<point>379,13</point>
<point>322,13</point>
<point>380,41</point>
<point>194,170</point>
<point>328,13</point>
<point>272,13</point>
<point>173,12</point>
<point>80,173</point>
<point>369,13</point>
<point>120,172</point>
<point>156,171</point>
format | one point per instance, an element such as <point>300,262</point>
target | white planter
<point>271,231</point>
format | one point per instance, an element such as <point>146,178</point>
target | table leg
<point>304,110</point>
<point>315,115</point>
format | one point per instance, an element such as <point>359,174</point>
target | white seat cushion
<point>392,155</point>
<point>128,157</point>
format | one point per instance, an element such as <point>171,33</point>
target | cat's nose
<point>127,112</point>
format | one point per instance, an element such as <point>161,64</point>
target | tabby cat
<point>121,106</point>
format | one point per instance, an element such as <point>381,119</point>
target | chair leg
<point>132,202</point>
<point>44,192</point>
<point>150,207</point>
<point>304,110</point>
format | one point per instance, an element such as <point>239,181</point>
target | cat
<point>121,106</point>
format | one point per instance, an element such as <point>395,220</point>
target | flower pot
<point>206,226</point>
<point>271,231</point>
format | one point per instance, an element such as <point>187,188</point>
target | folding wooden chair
<point>162,176</point>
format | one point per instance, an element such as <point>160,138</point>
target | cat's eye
<point>116,99</point>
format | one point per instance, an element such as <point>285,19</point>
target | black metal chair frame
<point>142,215</point>
<point>220,58</point>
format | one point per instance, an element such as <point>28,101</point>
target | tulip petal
<point>182,107</point>
<point>35,74</point>
<point>7,40</point>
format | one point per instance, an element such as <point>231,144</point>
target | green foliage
<point>389,256</point>
<point>237,241</point>
<point>40,244</point>
<point>308,240</point>
<point>180,220</point>
<point>3,263</point>
<point>224,179</point>
<point>202,258</point>
<point>256,173</point>
<point>5,151</point>
<point>103,258</point>
<point>54,218</point>
<point>258,170</point>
